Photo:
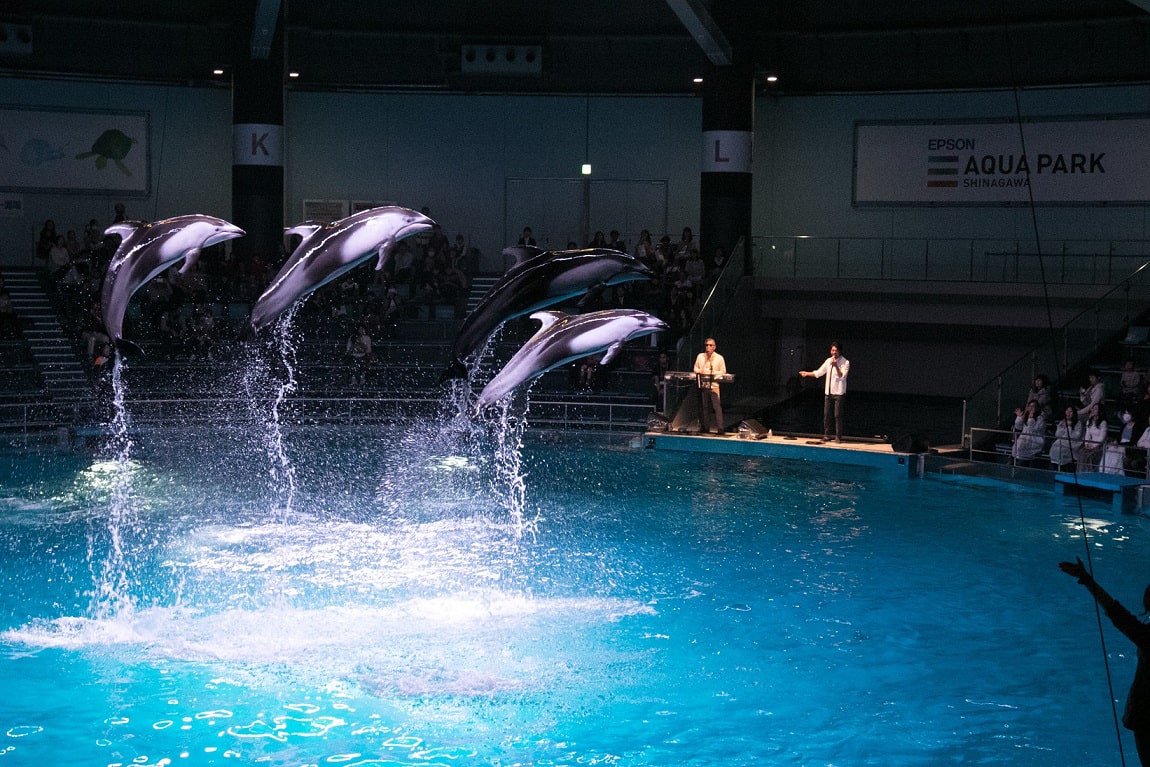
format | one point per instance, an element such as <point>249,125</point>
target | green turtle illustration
<point>112,145</point>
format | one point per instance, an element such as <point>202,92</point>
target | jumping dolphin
<point>566,337</point>
<point>537,279</point>
<point>328,251</point>
<point>146,250</point>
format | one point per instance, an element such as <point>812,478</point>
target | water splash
<point>111,595</point>
<point>508,480</point>
<point>269,379</point>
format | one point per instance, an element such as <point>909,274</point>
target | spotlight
<point>586,169</point>
<point>293,74</point>
<point>217,71</point>
<point>697,80</point>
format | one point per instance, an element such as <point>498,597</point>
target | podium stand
<point>682,392</point>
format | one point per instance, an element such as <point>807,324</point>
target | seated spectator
<point>1113,458</point>
<point>1066,449</point>
<point>1094,440</point>
<point>1030,433</point>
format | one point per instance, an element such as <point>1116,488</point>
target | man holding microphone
<point>835,368</point>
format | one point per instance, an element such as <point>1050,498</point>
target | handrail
<point>616,415</point>
<point>714,306</point>
<point>968,260</point>
<point>1076,340</point>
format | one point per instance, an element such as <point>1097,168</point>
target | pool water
<point>183,607</point>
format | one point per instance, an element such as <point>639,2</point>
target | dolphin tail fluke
<point>128,348</point>
<point>455,370</point>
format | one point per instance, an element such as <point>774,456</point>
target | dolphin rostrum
<point>564,338</point>
<point>328,251</point>
<point>146,250</point>
<point>537,279</point>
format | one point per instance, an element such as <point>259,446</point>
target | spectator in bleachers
<point>58,258</point>
<point>1029,433</point>
<point>1094,439</point>
<point>598,240</point>
<point>527,237</point>
<point>1042,393</point>
<point>45,242</point>
<point>1094,393</point>
<point>9,322</point>
<point>686,245</point>
<point>1133,383</point>
<point>615,243</point>
<point>359,350</point>
<point>645,249</point>
<point>92,331</point>
<point>1066,449</point>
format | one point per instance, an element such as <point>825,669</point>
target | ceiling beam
<point>264,28</point>
<point>694,16</point>
<point>1143,4</point>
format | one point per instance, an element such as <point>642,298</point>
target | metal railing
<point>590,414</point>
<point>996,446</point>
<point>1063,262</point>
<point>1078,340</point>
<point>715,305</point>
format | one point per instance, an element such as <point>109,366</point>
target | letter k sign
<point>258,146</point>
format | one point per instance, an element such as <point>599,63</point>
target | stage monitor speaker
<point>752,429</point>
<point>911,443</point>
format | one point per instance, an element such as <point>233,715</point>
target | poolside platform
<point>852,452</point>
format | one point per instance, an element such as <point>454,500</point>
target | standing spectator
<point>527,237</point>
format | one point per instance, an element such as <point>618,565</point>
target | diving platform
<point>795,447</point>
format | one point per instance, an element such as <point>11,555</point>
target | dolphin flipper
<point>612,352</point>
<point>190,257</point>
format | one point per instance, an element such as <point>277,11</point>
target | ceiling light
<point>293,74</point>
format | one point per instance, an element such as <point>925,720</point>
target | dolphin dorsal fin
<point>522,253</point>
<point>303,229</point>
<point>125,228</point>
<point>548,318</point>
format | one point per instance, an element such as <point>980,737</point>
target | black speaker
<point>911,443</point>
<point>752,429</point>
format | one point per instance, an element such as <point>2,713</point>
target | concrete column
<point>725,189</point>
<point>258,153</point>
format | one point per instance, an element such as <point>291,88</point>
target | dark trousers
<point>706,395</point>
<point>833,403</point>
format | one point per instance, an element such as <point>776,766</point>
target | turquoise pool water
<point>190,608</point>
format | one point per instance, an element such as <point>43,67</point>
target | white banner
<point>1064,162</point>
<point>59,150</point>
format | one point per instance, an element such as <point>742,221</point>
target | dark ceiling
<point>590,46</point>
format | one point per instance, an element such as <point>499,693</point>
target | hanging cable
<point>1058,366</point>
